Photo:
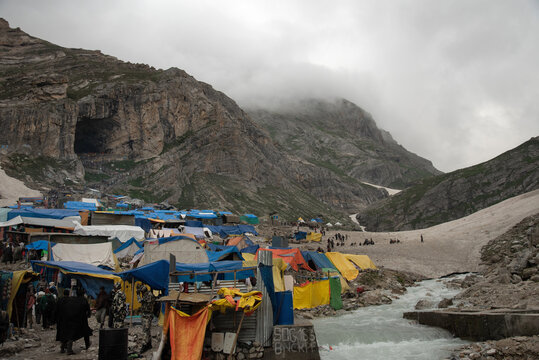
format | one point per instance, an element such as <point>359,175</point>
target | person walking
<point>101,305</point>
<point>118,308</point>
<point>46,306</point>
<point>76,313</point>
<point>147,301</point>
<point>62,333</point>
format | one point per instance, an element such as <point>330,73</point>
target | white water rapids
<point>380,332</point>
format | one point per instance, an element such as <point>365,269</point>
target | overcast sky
<point>456,82</point>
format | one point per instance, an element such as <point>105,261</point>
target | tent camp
<point>184,248</point>
<point>128,248</point>
<point>90,277</point>
<point>122,232</point>
<point>93,254</point>
<point>227,230</point>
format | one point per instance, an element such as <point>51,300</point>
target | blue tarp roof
<point>250,249</point>
<point>154,274</point>
<point>143,223</point>
<point>127,244</point>
<point>42,213</point>
<point>39,245</point>
<point>122,205</point>
<point>224,230</point>
<point>79,205</point>
<point>318,220</point>
<point>218,255</point>
<point>194,223</point>
<point>250,215</point>
<point>319,259</point>
<point>214,247</point>
<point>89,283</point>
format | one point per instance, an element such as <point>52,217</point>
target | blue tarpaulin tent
<point>42,213</point>
<point>79,205</point>
<point>90,277</point>
<point>124,250</point>
<point>155,275</point>
<point>194,223</point>
<point>300,235</point>
<point>144,223</point>
<point>252,249</point>
<point>39,245</point>
<point>224,230</point>
<point>213,266</point>
<point>218,255</point>
<point>319,259</point>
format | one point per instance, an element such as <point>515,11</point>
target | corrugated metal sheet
<point>264,329</point>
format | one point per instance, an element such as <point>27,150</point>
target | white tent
<point>122,232</point>
<point>338,224</point>
<point>92,201</point>
<point>329,224</point>
<point>187,251</point>
<point>94,254</point>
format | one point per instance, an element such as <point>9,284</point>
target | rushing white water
<point>380,332</point>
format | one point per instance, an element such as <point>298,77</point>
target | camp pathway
<point>380,332</point>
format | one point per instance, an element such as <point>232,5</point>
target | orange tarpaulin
<point>187,333</point>
<point>292,257</point>
<point>234,241</point>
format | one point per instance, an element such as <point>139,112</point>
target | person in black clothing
<point>61,333</point>
<point>75,320</point>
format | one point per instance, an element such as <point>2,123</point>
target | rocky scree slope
<point>457,194</point>
<point>80,118</point>
<point>343,138</point>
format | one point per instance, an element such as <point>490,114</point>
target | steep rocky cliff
<point>80,118</point>
<point>450,196</point>
<point>343,138</point>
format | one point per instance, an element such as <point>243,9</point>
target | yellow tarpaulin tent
<point>345,267</point>
<point>311,295</point>
<point>312,236</point>
<point>362,261</point>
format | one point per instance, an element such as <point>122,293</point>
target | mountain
<point>73,119</point>
<point>453,195</point>
<point>343,138</point>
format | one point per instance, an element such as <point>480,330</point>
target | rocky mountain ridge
<point>343,138</point>
<point>78,118</point>
<point>454,195</point>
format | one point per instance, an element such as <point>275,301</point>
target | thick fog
<point>453,81</point>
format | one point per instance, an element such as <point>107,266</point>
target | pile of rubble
<point>519,347</point>
<point>243,351</point>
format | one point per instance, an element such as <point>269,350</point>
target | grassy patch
<point>95,177</point>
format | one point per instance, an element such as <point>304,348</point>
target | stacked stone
<point>253,351</point>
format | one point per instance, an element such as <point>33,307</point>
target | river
<point>380,332</point>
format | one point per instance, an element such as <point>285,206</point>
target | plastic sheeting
<point>39,245</point>
<point>187,333</point>
<point>219,255</point>
<point>225,231</point>
<point>155,275</point>
<point>292,257</point>
<point>311,294</point>
<point>93,254</point>
<point>212,267</point>
<point>79,205</point>
<point>335,299</point>
<point>122,232</point>
<point>3,214</point>
<point>312,236</point>
<point>251,249</point>
<point>12,222</point>
<point>362,261</point>
<point>345,267</point>
<point>128,248</point>
<point>300,235</point>
<point>43,213</point>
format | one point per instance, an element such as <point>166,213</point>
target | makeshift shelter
<point>10,284</point>
<point>345,267</point>
<point>241,242</point>
<point>362,261</point>
<point>93,254</point>
<point>317,260</point>
<point>90,277</point>
<point>3,214</point>
<point>202,271</point>
<point>312,236</point>
<point>300,235</point>
<point>292,257</point>
<point>199,232</point>
<point>45,213</point>
<point>155,275</point>
<point>122,232</point>
<point>128,248</point>
<point>184,248</point>
<point>40,245</point>
<point>312,294</point>
<point>231,230</point>
<point>230,253</point>
<point>79,205</point>
<point>250,219</point>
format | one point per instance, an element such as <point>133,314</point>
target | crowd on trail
<point>70,310</point>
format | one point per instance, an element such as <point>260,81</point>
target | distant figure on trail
<point>421,237</point>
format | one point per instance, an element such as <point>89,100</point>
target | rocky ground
<point>518,347</point>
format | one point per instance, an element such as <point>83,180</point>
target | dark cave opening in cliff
<point>94,136</point>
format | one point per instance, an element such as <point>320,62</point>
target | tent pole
<point>132,299</point>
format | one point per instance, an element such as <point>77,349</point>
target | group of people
<point>394,241</point>
<point>11,252</point>
<point>70,312</point>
